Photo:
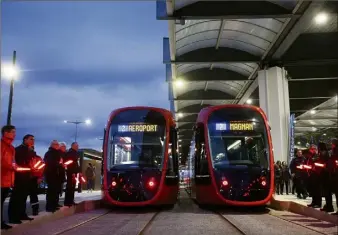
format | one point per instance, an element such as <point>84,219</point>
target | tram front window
<point>137,139</point>
<point>238,150</point>
<point>238,137</point>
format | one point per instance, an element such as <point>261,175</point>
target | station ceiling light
<point>179,83</point>
<point>180,115</point>
<point>313,111</point>
<point>321,18</point>
<point>249,101</point>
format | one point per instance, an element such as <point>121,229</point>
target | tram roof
<point>217,47</point>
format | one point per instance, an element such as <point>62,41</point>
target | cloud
<point>83,36</point>
<point>41,109</point>
<point>80,60</point>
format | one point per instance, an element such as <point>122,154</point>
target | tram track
<point>147,225</point>
<point>231,223</point>
<point>262,224</point>
<point>185,218</point>
<point>82,223</point>
<point>82,227</point>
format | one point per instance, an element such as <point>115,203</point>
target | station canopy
<point>217,48</point>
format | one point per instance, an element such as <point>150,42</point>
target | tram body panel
<point>138,169</point>
<point>233,157</point>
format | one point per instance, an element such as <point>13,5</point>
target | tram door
<point>202,175</point>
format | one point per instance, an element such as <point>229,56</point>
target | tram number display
<point>235,126</point>
<point>137,128</point>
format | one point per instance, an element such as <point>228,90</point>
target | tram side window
<point>173,158</point>
<point>201,157</point>
<point>110,153</point>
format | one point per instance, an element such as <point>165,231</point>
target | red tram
<point>231,158</point>
<point>140,160</point>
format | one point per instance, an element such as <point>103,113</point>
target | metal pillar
<point>11,93</point>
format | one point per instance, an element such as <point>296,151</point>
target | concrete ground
<point>185,218</point>
<point>79,197</point>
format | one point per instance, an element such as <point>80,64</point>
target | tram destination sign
<point>137,128</point>
<point>235,126</point>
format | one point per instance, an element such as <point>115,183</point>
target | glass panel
<point>270,24</point>
<point>236,86</point>
<point>195,46</point>
<point>190,67</point>
<point>221,86</point>
<point>185,103</point>
<point>245,69</point>
<point>192,38</point>
<point>249,28</point>
<point>191,86</point>
<point>238,137</point>
<point>217,102</point>
<point>137,139</point>
<point>246,38</point>
<point>198,27</point>
<point>189,23</point>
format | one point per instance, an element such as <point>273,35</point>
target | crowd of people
<point>22,170</point>
<point>314,173</point>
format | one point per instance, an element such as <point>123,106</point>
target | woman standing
<point>286,176</point>
<point>278,178</point>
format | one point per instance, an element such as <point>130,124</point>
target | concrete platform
<point>299,206</point>
<point>303,202</point>
<point>89,198</point>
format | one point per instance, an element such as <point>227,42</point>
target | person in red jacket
<point>8,165</point>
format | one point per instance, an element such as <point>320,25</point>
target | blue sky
<point>80,60</point>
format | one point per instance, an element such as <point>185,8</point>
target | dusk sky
<point>80,60</point>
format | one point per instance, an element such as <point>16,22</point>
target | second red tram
<point>140,161</point>
<point>231,158</point>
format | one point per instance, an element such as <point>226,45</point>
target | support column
<point>274,100</point>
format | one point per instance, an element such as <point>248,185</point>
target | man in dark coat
<point>52,176</point>
<point>72,170</point>
<point>63,151</point>
<point>298,174</point>
<point>34,184</point>
<point>22,184</point>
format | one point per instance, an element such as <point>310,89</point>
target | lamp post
<point>87,122</point>
<point>11,72</point>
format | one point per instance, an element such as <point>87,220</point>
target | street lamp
<point>87,122</point>
<point>10,72</point>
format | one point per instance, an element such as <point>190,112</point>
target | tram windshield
<point>238,136</point>
<point>137,139</point>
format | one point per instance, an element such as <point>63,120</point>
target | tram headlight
<point>225,182</point>
<point>113,183</point>
<point>263,181</point>
<point>151,183</point>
